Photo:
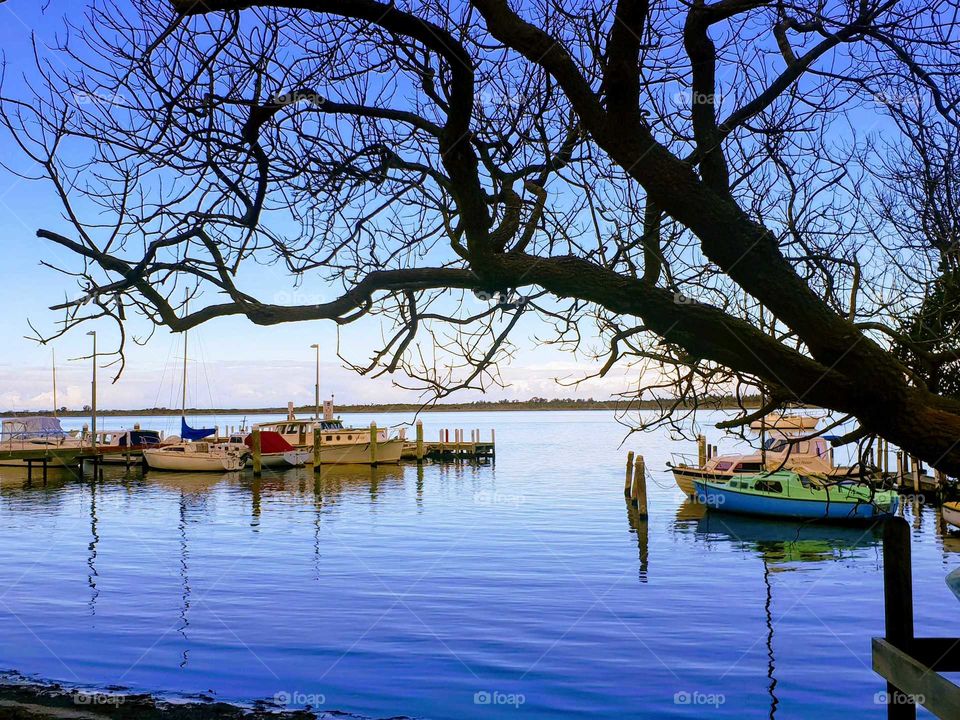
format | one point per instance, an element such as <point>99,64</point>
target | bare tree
<point>678,186</point>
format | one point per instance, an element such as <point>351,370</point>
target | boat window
<point>724,465</point>
<point>329,438</point>
<point>771,486</point>
<point>751,467</point>
<point>338,437</point>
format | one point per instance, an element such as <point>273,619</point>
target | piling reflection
<point>640,526</point>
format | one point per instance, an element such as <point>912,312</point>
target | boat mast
<point>54,352</point>
<point>183,403</point>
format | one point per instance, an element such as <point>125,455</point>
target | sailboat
<point>192,453</point>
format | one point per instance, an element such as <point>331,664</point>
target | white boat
<point>951,514</point>
<point>275,451</point>
<point>785,422</point>
<point>190,452</point>
<point>195,457</point>
<point>35,434</point>
<point>810,456</point>
<point>339,445</point>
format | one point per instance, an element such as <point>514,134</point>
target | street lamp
<point>316,387</point>
<point>93,393</point>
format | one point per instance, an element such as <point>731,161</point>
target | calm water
<point>424,592</point>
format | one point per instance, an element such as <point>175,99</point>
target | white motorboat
<point>195,457</point>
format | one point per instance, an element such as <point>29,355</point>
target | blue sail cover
<point>189,433</point>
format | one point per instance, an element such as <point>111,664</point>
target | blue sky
<point>246,365</point>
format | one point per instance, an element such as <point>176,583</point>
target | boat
<point>785,423</point>
<point>195,457</point>
<point>339,444</point>
<point>40,433</point>
<point>810,456</point>
<point>119,446</point>
<point>190,452</point>
<point>793,495</point>
<point>275,451</point>
<point>951,514</point>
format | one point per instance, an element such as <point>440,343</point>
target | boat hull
<point>728,500</point>
<point>192,462</point>
<point>388,453</point>
<point>951,514</point>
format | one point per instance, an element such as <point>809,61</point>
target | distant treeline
<point>535,403</point>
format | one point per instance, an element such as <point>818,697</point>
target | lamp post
<point>316,387</point>
<point>93,393</point>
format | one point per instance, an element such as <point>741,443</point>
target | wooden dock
<point>914,667</point>
<point>452,446</point>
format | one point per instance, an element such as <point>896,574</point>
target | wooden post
<point>628,479</point>
<point>420,441</point>
<point>316,449</point>
<point>640,486</point>
<point>257,457</point>
<point>701,450</point>
<point>900,477</point>
<point>373,443</point>
<point>915,474</point>
<point>898,606</point>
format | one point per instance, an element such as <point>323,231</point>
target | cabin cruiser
<point>339,445</point>
<point>810,456</point>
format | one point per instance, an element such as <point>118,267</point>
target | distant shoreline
<point>504,406</point>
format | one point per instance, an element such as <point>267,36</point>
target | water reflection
<point>784,543</point>
<point>92,550</point>
<point>640,526</point>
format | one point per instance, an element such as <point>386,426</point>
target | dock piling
<point>628,479</point>
<point>419,442</point>
<point>316,449</point>
<point>373,443</point>
<point>898,607</point>
<point>257,454</point>
<point>701,450</point>
<point>639,493</point>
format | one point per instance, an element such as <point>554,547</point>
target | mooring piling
<point>628,479</point>
<point>257,452</point>
<point>420,442</point>
<point>316,449</point>
<point>639,494</point>
<point>373,443</point>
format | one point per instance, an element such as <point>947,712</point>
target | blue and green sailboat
<point>794,495</point>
